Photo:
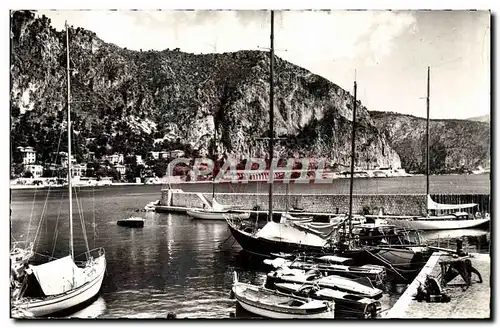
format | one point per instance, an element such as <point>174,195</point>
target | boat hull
<point>260,301</point>
<point>265,247</point>
<point>277,315</point>
<point>333,282</point>
<point>131,223</point>
<point>344,302</point>
<point>439,224</point>
<point>207,215</point>
<point>58,303</point>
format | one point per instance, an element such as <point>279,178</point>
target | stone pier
<point>320,203</point>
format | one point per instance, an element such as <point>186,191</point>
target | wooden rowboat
<point>272,304</point>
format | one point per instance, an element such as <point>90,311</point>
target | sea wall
<point>324,203</point>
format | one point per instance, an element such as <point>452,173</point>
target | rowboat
<point>132,222</point>
<point>272,304</point>
<point>344,302</point>
<point>375,273</point>
<point>359,286</point>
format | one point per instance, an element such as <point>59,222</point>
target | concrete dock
<point>470,303</point>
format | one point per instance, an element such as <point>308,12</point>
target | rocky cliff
<point>455,145</point>
<point>136,101</point>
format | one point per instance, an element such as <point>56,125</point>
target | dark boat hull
<point>389,258</point>
<point>131,224</point>
<point>349,305</point>
<point>264,247</point>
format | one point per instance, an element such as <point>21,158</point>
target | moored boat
<point>345,303</point>
<point>274,238</point>
<point>59,285</point>
<point>442,216</point>
<point>458,220</point>
<point>62,283</point>
<point>272,304</point>
<point>359,286</point>
<point>203,214</point>
<point>132,222</point>
<point>373,272</point>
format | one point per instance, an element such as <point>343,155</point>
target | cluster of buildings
<point>30,164</point>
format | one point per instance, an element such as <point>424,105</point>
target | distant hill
<point>482,118</point>
<point>454,144</point>
<point>139,101</point>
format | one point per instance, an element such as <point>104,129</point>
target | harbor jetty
<point>177,200</point>
<point>465,302</point>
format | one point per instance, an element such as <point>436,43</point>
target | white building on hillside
<point>28,154</point>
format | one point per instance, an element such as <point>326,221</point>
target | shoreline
<point>15,186</point>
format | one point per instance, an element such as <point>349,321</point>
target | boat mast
<point>69,148</point>
<point>214,147</point>
<point>353,156</point>
<point>271,119</point>
<point>427,134</point>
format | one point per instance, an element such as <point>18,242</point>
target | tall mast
<point>214,147</point>
<point>427,129</point>
<point>271,119</point>
<point>69,148</point>
<point>353,156</point>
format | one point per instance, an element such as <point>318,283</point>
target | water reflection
<point>173,264</point>
<point>94,310</point>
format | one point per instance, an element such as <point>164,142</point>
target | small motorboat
<point>344,302</point>
<point>360,286</point>
<point>132,222</point>
<point>275,305</point>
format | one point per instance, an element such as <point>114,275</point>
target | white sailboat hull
<point>72,298</point>
<point>214,215</point>
<point>426,224</point>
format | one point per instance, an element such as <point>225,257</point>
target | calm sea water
<point>173,264</point>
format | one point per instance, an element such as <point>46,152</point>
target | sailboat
<point>457,217</point>
<point>294,236</point>
<point>61,284</point>
<point>273,237</point>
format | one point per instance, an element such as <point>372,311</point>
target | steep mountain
<point>454,144</point>
<point>135,101</point>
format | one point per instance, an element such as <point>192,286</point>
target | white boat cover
<point>287,233</point>
<point>333,258</point>
<point>56,277</point>
<point>431,205</point>
<point>323,231</point>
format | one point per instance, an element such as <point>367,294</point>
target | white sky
<point>389,51</point>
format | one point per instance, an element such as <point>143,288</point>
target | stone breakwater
<point>321,203</point>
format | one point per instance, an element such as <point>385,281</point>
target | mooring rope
<point>387,263</point>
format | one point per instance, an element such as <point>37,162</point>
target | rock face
<point>135,101</point>
<point>454,144</point>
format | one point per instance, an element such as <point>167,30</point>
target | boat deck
<point>472,303</point>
